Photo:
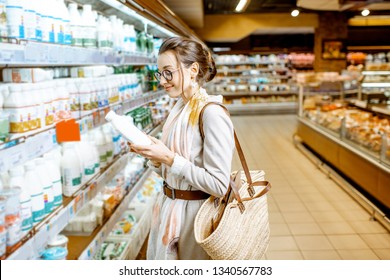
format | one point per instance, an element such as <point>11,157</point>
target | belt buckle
<point>172,191</point>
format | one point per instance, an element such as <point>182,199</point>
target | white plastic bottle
<point>38,22</point>
<point>17,180</point>
<point>30,19</point>
<point>109,144</point>
<point>54,172</point>
<point>3,19</point>
<point>70,170</point>
<point>36,191</point>
<point>65,17</point>
<point>126,127</point>
<point>104,34</point>
<point>47,21</point>
<point>15,22</point>
<point>89,27</point>
<point>94,150</point>
<point>75,25</point>
<point>100,141</point>
<point>15,104</point>
<point>87,155</point>
<point>57,21</point>
<point>47,112</point>
<point>47,184</point>
<point>132,35</point>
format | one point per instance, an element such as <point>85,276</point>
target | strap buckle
<point>173,195</point>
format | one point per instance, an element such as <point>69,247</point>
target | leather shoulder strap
<point>238,146</point>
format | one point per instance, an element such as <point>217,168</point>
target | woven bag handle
<point>244,164</point>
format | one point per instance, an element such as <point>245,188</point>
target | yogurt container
<point>55,253</point>
<point>58,241</point>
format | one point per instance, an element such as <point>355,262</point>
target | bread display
<point>364,128</point>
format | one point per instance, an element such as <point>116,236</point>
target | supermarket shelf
<point>44,54</point>
<point>333,93</point>
<point>85,247</point>
<point>246,76</point>
<point>57,221</point>
<point>255,93</point>
<point>221,70</point>
<point>266,108</point>
<point>30,145</point>
<point>374,73</point>
<point>250,62</point>
<point>376,85</point>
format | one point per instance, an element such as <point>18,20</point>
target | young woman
<point>193,169</point>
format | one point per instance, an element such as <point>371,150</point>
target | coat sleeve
<point>218,148</point>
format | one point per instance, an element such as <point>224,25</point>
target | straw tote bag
<point>235,226</point>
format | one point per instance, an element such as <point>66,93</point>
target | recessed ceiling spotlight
<point>295,13</point>
<point>241,6</point>
<point>365,12</point>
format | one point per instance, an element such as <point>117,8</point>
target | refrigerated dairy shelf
<point>85,247</point>
<point>57,221</point>
<point>29,53</point>
<point>27,146</point>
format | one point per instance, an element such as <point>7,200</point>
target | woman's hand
<point>157,152</point>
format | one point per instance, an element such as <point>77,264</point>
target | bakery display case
<point>374,92</point>
<point>352,140</point>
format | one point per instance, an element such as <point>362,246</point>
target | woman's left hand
<point>157,151</point>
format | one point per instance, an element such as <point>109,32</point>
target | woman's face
<point>173,80</point>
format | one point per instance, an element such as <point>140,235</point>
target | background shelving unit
<point>255,86</point>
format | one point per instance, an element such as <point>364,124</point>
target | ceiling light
<point>241,5</point>
<point>365,12</point>
<point>295,13</point>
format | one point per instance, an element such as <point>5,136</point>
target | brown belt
<point>185,195</point>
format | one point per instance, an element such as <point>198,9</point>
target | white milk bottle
<point>30,19</point>
<point>30,107</point>
<point>89,27</point>
<point>71,171</point>
<point>126,127</point>
<point>47,184</point>
<point>94,150</point>
<point>15,22</point>
<point>65,17</point>
<point>47,21</point>
<point>100,141</point>
<point>3,19</point>
<point>47,106</point>
<point>57,21</point>
<point>109,144</point>
<point>15,105</point>
<point>17,180</point>
<point>87,154</point>
<point>36,191</point>
<point>64,99</point>
<point>85,93</point>
<point>104,34</point>
<point>38,22</point>
<point>132,37</point>
<point>54,172</point>
<point>75,25</point>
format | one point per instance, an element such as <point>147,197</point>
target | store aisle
<point>311,217</point>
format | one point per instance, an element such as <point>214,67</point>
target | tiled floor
<point>311,217</point>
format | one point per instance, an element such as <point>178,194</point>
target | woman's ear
<point>194,69</point>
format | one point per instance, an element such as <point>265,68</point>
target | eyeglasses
<point>167,74</point>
